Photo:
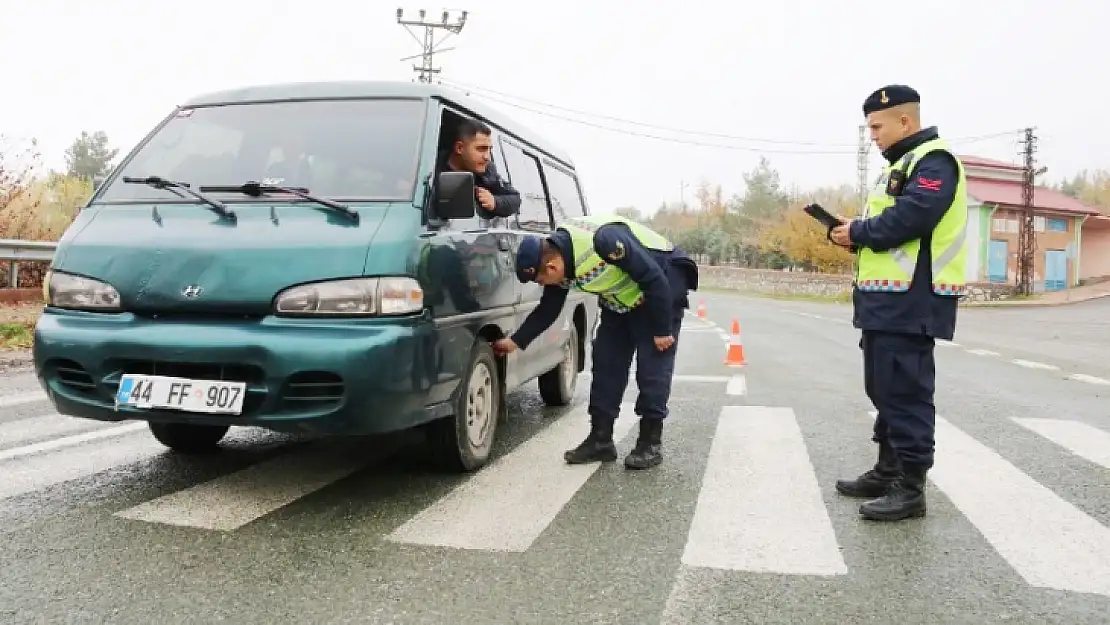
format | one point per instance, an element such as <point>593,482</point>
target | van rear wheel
<point>462,443</point>
<point>557,386</point>
<point>188,438</point>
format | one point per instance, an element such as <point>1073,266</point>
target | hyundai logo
<point>193,290</point>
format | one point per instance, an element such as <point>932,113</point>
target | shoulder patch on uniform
<point>618,253</point>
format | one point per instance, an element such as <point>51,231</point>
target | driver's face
<point>475,152</point>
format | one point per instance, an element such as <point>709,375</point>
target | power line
<point>661,138</point>
<point>429,45</point>
<point>685,131</point>
<point>484,93</point>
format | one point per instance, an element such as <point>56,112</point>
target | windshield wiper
<point>256,189</point>
<point>161,183</point>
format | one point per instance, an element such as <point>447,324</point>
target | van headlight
<point>63,290</point>
<point>356,297</point>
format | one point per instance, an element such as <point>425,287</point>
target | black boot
<point>647,452</point>
<point>875,482</point>
<point>904,499</point>
<point>598,446</point>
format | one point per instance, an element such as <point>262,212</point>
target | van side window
<point>524,174</point>
<point>566,197</point>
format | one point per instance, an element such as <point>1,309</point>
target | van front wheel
<point>463,442</point>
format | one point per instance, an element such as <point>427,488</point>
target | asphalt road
<point>741,524</point>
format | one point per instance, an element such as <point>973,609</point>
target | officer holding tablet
<point>910,274</point>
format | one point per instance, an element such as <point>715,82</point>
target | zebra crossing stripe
<point>760,508</point>
<point>1085,441</point>
<point>510,502</point>
<point>232,501</point>
<point>1047,540</point>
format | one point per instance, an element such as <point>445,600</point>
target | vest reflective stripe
<point>616,289</point>
<point>893,270</point>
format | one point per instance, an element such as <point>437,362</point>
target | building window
<point>1057,224</point>
<point>1038,224</point>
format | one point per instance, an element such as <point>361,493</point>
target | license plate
<point>157,391</point>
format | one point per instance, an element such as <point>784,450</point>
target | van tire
<point>188,438</point>
<point>557,386</point>
<point>462,443</point>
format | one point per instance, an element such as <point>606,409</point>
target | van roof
<point>377,89</point>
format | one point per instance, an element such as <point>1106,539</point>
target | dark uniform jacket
<point>664,278</point>
<point>916,213</point>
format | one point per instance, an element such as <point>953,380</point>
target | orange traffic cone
<point>734,357</point>
<point>701,309</point>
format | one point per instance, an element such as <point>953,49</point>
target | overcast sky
<point>792,71</point>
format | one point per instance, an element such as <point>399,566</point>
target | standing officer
<point>909,276</point>
<point>473,152</point>
<point>642,281</point>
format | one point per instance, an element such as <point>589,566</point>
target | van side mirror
<point>455,195</point>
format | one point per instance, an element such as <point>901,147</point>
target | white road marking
<point>725,336</point>
<point>232,501</point>
<point>686,600</point>
<point>745,520</point>
<point>1085,441</point>
<point>944,343</point>
<point>983,352</point>
<point>701,378</point>
<point>1034,365</point>
<point>686,328</point>
<point>677,377</point>
<point>1090,379</point>
<point>737,385</point>
<point>46,427</point>
<point>1048,541</point>
<point>510,502</point>
<point>69,441</point>
<point>28,473</point>
<point>6,401</point>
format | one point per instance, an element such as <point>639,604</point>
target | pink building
<point>1072,239</point>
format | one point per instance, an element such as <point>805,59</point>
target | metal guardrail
<point>14,250</point>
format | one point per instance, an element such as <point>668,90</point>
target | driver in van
<point>473,152</point>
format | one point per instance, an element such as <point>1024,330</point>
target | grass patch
<point>17,326</point>
<point>16,336</point>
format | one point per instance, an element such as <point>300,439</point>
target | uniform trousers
<point>622,335</point>
<point>900,378</point>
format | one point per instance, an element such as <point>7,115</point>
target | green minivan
<point>287,257</point>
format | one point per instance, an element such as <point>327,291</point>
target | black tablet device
<point>815,211</point>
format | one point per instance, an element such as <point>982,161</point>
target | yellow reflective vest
<point>592,274</point>
<point>892,270</point>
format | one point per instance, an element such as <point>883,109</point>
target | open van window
<point>364,149</point>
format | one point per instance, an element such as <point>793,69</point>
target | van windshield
<point>342,149</point>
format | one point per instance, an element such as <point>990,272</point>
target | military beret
<point>529,256</point>
<point>888,96</point>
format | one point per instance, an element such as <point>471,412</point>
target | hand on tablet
<point>841,235</point>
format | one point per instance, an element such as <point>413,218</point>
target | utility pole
<point>1027,242</point>
<point>426,69</point>
<point>862,154</point>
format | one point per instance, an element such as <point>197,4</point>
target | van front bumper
<point>316,376</point>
